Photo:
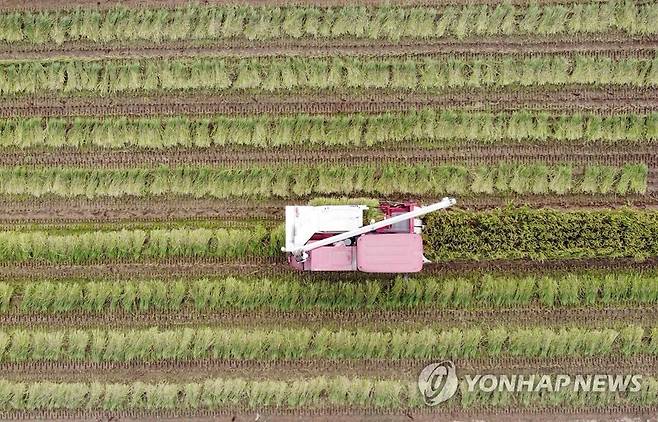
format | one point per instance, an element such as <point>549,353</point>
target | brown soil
<point>58,211</point>
<point>199,370</point>
<point>614,45</point>
<point>533,315</point>
<point>609,100</point>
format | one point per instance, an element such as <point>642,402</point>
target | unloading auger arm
<point>301,253</point>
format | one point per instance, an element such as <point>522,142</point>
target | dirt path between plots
<point>609,100</point>
<point>577,154</point>
<point>372,318</point>
<point>611,45</point>
<point>96,4</point>
<point>58,211</point>
<point>199,370</point>
<point>173,268</point>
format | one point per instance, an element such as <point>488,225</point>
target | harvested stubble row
<point>385,22</point>
<point>284,294</point>
<point>500,234</point>
<point>286,181</point>
<point>426,127</point>
<point>339,73</point>
<point>183,344</point>
<point>318,392</point>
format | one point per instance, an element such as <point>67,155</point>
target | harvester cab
<point>333,237</point>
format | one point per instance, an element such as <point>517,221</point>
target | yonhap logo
<point>438,382</point>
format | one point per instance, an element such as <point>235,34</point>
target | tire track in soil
<point>604,101</point>
<point>199,370</point>
<point>615,45</point>
<point>577,154</point>
<point>58,211</point>
<point>525,316</point>
<point>173,268</point>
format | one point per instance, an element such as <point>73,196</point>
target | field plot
<point>148,148</point>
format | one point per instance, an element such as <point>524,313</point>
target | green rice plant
<point>513,233</point>
<point>426,127</point>
<point>136,76</point>
<point>258,182</point>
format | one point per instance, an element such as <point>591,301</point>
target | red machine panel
<point>390,253</point>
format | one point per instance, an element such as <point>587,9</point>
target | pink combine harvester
<point>333,238</point>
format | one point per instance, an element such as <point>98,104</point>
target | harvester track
<point>610,100</point>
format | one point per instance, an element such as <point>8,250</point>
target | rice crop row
<point>338,73</point>
<point>127,245</point>
<point>284,294</point>
<point>317,392</point>
<point>286,181</point>
<point>508,233</point>
<point>428,127</point>
<point>521,233</point>
<point>385,22</point>
<point>182,344</point>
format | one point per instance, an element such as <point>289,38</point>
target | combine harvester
<point>333,238</point>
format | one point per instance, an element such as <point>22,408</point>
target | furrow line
<point>611,100</point>
<point>615,45</point>
<point>594,153</point>
<point>198,370</point>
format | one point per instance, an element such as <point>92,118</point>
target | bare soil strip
<point>199,370</point>
<point>609,100</point>
<point>613,45</point>
<point>576,153</point>
<point>373,318</point>
<point>95,4</point>
<point>59,211</point>
<point>174,268</point>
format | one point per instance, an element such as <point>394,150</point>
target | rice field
<point>148,149</point>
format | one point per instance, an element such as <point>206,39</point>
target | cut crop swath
<point>267,74</point>
<point>384,22</point>
<point>428,127</point>
<point>129,245</point>
<point>189,344</point>
<point>287,181</point>
<point>300,393</point>
<point>291,293</point>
